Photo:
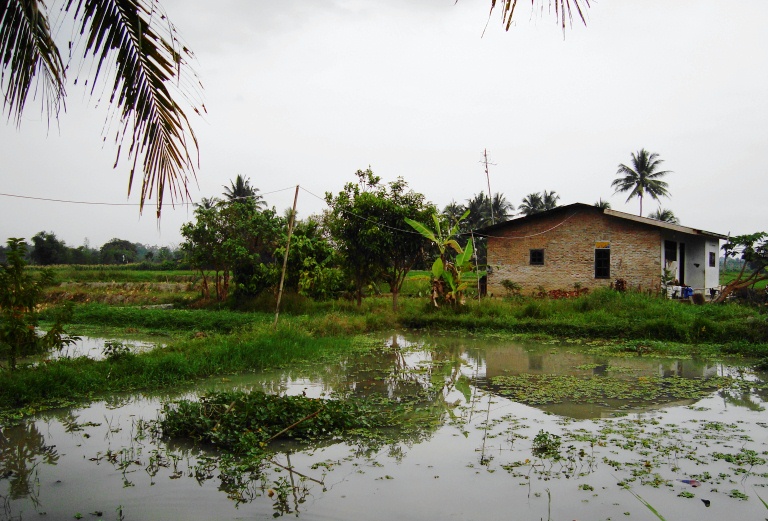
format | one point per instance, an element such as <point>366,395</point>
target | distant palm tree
<point>241,190</point>
<point>532,203</point>
<point>603,205</point>
<point>453,211</point>
<point>207,203</point>
<point>664,214</point>
<point>549,200</point>
<point>642,178</point>
<point>503,210</point>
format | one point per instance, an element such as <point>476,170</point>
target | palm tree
<point>549,200</point>
<point>664,214</point>
<point>532,203</point>
<point>642,178</point>
<point>134,39</point>
<point>241,190</point>
<point>453,211</point>
<point>603,205</point>
<point>503,210</point>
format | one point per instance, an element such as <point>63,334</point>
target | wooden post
<point>285,258</point>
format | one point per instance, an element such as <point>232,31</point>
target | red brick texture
<point>569,240</point>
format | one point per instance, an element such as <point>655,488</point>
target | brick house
<point>585,245</point>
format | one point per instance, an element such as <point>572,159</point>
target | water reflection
<point>110,455</point>
<point>22,449</point>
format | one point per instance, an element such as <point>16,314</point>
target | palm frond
<point>26,49</point>
<point>148,63</point>
<point>564,11</point>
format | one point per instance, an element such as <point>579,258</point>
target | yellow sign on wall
<point>603,244</point>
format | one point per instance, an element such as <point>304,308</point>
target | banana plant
<point>447,284</point>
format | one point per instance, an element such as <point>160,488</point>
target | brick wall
<point>568,239</point>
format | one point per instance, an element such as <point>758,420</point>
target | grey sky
<point>308,92</point>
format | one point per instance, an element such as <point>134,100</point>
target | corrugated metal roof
<point>488,230</point>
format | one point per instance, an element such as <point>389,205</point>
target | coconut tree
<point>603,205</point>
<point>531,204</point>
<point>134,41</point>
<point>664,214</point>
<point>549,200</point>
<point>642,178</point>
<point>241,190</point>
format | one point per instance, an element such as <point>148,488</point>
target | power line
<point>101,203</point>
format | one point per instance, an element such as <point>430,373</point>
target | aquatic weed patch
<point>536,389</point>
<point>240,422</point>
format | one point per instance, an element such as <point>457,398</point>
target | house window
<point>670,251</point>
<point>537,258</point>
<point>712,259</point>
<point>602,263</point>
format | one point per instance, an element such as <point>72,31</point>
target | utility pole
<point>285,258</point>
<point>488,179</point>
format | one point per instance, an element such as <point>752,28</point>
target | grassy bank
<point>250,349</point>
<point>602,314</point>
<point>207,342</point>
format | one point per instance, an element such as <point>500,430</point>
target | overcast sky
<point>307,92</point>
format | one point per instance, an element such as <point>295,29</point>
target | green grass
<point>252,349</point>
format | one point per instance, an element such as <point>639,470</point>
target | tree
<point>118,251</point>
<point>313,264</point>
<point>753,250</point>
<point>237,239</point>
<point>549,200</point>
<point>367,221</point>
<point>48,249</point>
<point>20,294</point>
<point>664,214</point>
<point>538,202</point>
<point>531,204</point>
<point>241,190</point>
<point>447,270</point>
<point>603,205</point>
<point>132,39</point>
<point>642,178</point>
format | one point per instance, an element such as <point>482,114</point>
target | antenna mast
<point>488,179</point>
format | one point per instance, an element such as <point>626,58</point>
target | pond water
<point>95,347</point>
<point>479,454</point>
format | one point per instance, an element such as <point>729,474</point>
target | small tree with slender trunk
<point>20,294</point>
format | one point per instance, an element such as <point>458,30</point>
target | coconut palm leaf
<point>132,39</point>
<point>26,50</point>
<point>564,9</point>
<point>130,32</point>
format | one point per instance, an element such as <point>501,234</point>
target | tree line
<point>47,250</point>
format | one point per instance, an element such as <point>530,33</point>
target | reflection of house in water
<point>511,360</point>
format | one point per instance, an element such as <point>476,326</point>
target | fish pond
<point>480,429</point>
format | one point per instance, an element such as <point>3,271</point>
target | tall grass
<point>601,314</point>
<point>250,349</point>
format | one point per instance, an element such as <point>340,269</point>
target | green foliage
<point>118,251</point>
<point>20,294</point>
<point>448,285</point>
<point>753,251</point>
<point>642,177</point>
<point>47,249</point>
<point>366,225</point>
<point>241,422</point>
<point>234,238</point>
<point>546,445</point>
<point>253,348</point>
<point>511,287</point>
<point>313,264</point>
